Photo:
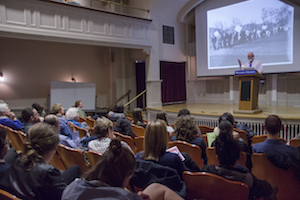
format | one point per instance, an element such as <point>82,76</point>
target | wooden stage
<point>284,112</point>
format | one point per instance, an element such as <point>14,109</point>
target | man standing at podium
<point>252,63</point>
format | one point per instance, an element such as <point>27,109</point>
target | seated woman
<point>31,177</point>
<point>138,117</point>
<point>186,130</point>
<point>123,126</point>
<point>79,106</point>
<point>162,115</point>
<point>228,152</point>
<point>103,130</point>
<point>110,175</point>
<point>155,145</point>
<point>72,116</point>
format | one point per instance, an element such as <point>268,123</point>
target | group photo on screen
<point>264,27</point>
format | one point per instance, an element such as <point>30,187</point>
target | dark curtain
<point>140,82</point>
<point>173,89</point>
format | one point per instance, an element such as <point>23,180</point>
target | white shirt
<point>102,145</point>
<point>255,64</point>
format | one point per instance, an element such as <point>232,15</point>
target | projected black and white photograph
<point>262,27</point>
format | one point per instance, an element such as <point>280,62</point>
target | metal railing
<point>136,97</point>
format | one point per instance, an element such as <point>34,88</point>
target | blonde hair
<point>101,127</point>
<point>56,108</point>
<point>156,140</point>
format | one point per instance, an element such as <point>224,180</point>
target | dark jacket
<point>43,181</point>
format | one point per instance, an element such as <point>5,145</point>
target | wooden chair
<point>205,129</point>
<point>82,131</point>
<point>71,157</point>
<point>261,138</point>
<point>203,185</point>
<point>128,139</point>
<point>57,162</point>
<point>204,137</point>
<point>138,130</point>
<point>22,136</point>
<point>16,141</point>
<point>7,196</point>
<point>138,141</point>
<point>243,135</point>
<point>90,122</point>
<point>295,142</point>
<point>285,179</point>
<point>258,138</point>
<point>91,131</point>
<point>193,150</point>
<point>81,119</point>
<point>213,160</point>
<point>129,118</point>
<point>93,157</point>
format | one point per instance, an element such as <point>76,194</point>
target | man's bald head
<point>53,120</point>
<point>250,56</point>
<point>273,124</point>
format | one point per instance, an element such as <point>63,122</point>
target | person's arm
<point>262,189</point>
<point>158,192</point>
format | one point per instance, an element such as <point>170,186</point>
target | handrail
<point>122,97</point>
<point>137,96</point>
<point>121,4</point>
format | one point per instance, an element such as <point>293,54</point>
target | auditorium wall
<point>29,66</point>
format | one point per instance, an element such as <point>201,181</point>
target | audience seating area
<point>7,196</point>
<point>202,185</point>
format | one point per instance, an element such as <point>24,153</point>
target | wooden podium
<point>248,91</point>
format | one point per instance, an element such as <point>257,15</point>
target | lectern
<point>248,91</point>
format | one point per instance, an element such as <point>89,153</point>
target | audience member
<point>4,142</point>
<point>66,128</point>
<point>40,110</point>
<point>117,112</point>
<point>184,112</point>
<point>162,115</point>
<point>123,126</point>
<point>228,152</point>
<point>73,142</point>
<point>29,117</point>
<point>110,175</point>
<point>186,130</point>
<point>138,117</point>
<point>103,130</point>
<point>273,143</point>
<point>79,106</point>
<point>31,177</point>
<point>72,116</point>
<point>8,118</point>
<point>155,145</point>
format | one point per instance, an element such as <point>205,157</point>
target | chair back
<point>127,139</point>
<point>204,137</point>
<point>203,185</point>
<point>286,181</point>
<point>16,141</point>
<point>57,162</point>
<point>193,150</point>
<point>243,135</point>
<point>138,141</point>
<point>205,129</point>
<point>22,136</point>
<point>81,119</point>
<point>93,157</point>
<point>138,130</point>
<point>7,196</point>
<point>82,131</point>
<point>295,142</point>
<point>90,122</point>
<point>258,138</point>
<point>213,160</point>
<point>71,157</point>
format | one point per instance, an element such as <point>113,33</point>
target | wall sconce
<point>73,80</point>
<point>1,76</point>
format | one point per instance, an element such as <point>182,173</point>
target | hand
<point>11,115</point>
<point>143,195</point>
<point>72,127</point>
<point>239,62</point>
